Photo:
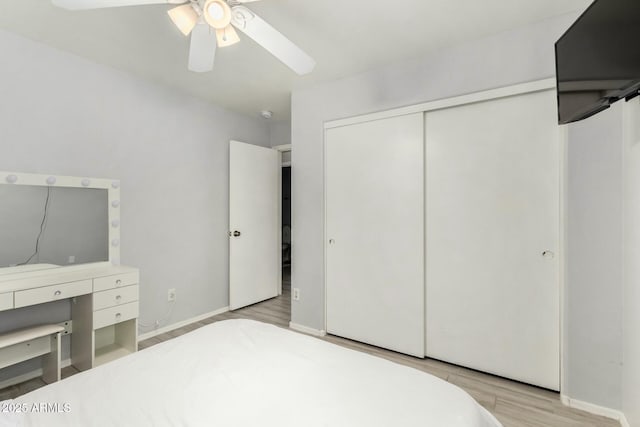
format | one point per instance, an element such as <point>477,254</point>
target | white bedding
<point>246,373</point>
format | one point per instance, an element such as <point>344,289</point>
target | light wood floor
<point>514,404</point>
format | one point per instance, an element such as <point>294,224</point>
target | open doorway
<point>286,224</point>
<point>285,211</point>
<point>260,244</point>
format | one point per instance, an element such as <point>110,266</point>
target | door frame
<point>486,95</point>
<point>284,148</point>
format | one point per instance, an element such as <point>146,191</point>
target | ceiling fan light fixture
<point>184,17</point>
<point>217,13</point>
<point>227,36</point>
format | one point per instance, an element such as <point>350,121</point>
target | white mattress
<point>246,373</point>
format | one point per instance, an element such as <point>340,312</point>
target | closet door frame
<point>487,95</point>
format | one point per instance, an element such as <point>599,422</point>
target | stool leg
<point>51,361</point>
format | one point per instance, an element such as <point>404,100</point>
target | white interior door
<point>375,233</point>
<point>493,227</point>
<point>254,224</point>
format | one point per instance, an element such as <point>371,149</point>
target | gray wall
<point>76,224</point>
<point>280,132</point>
<point>593,353</point>
<point>60,114</point>
<point>631,206</point>
<point>593,291</point>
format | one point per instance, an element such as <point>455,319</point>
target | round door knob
<point>236,233</point>
<point>548,254</point>
<point>57,293</point>
<point>331,241</point>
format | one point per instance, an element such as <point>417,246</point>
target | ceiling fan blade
<point>99,4</point>
<point>202,51</point>
<point>272,40</point>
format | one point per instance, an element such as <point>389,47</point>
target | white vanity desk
<point>104,295</point>
<point>104,306</point>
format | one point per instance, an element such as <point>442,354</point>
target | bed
<point>247,373</point>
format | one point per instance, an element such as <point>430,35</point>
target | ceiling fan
<point>211,25</point>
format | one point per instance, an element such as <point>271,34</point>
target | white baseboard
<point>591,408</point>
<point>29,375</point>
<point>178,325</point>
<point>307,330</point>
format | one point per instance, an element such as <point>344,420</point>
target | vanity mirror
<point>49,221</point>
<point>60,262</point>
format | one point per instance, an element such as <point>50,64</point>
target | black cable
<point>44,220</point>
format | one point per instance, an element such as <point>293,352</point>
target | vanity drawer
<point>115,297</point>
<point>52,293</point>
<point>6,301</point>
<point>113,315</point>
<point>116,281</point>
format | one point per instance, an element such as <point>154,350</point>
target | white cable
<point>160,321</point>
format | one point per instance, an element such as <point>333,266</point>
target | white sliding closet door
<point>375,232</point>
<point>493,193</point>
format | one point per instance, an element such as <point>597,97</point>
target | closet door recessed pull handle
<point>57,293</point>
<point>548,254</point>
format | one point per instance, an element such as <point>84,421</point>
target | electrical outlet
<point>72,259</point>
<point>296,294</point>
<point>171,295</point>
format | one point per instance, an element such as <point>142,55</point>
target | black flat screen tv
<point>598,59</point>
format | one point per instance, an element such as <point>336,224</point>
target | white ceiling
<point>345,37</point>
